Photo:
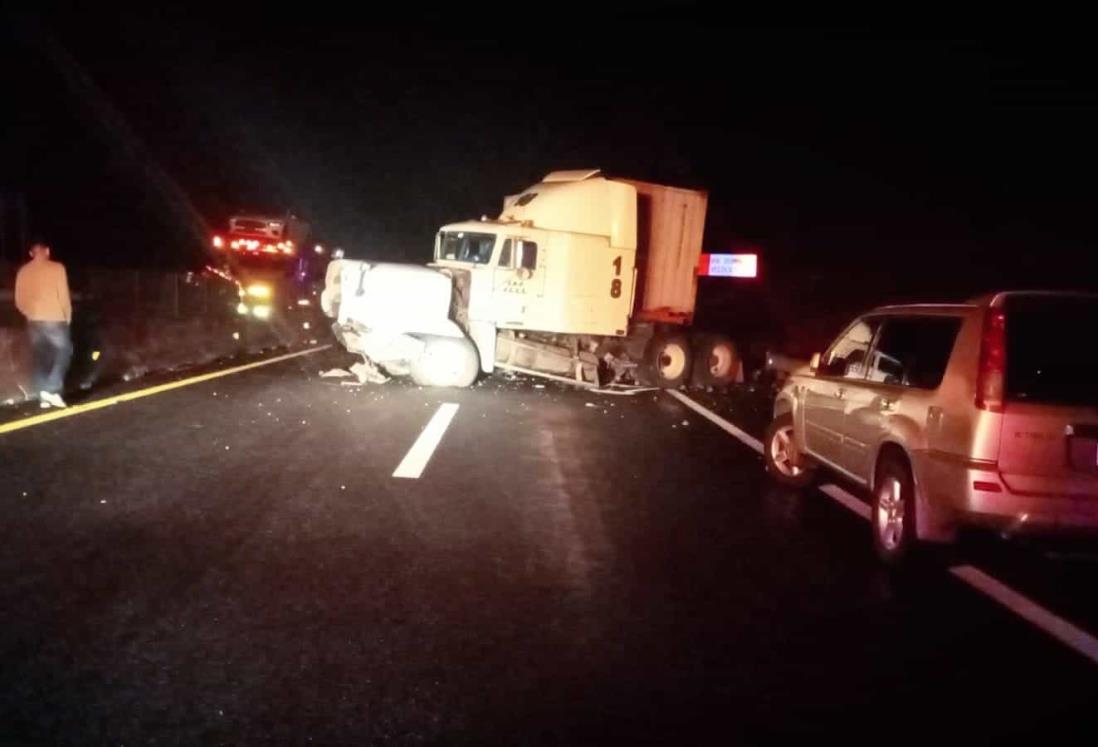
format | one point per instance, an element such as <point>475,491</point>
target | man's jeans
<point>51,350</point>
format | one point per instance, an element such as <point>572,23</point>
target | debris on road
<point>624,390</point>
<point>368,372</point>
<point>335,373</point>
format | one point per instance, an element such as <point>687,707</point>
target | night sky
<point>865,163</point>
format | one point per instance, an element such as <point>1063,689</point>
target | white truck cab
<point>557,284</point>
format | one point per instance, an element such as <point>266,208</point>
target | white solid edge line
<point>718,421</point>
<point>1025,608</point>
<point>415,461</point>
<point>848,500</point>
<point>845,499</point>
<point>1071,636</point>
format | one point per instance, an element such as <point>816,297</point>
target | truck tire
<point>668,361</point>
<point>716,360</point>
<point>784,462</point>
<point>446,361</point>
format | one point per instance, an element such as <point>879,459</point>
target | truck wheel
<point>668,360</point>
<point>716,360</point>
<point>784,461</point>
<point>446,361</point>
<point>893,514</point>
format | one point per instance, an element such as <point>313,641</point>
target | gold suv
<point>983,413</point>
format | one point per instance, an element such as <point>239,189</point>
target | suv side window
<point>846,358</point>
<point>913,351</point>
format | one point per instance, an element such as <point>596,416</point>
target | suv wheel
<point>784,461</point>
<point>893,514</point>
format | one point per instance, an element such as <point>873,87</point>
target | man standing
<point>42,296</point>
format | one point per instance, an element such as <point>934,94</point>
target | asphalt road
<point>233,563</point>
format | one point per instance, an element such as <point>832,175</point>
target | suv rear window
<point>913,351</point>
<point>1050,355</point>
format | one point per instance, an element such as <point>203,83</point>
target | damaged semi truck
<point>582,277</point>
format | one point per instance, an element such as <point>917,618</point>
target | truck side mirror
<point>814,364</point>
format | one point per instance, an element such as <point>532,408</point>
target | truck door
<point>506,298</point>
<point>518,281</point>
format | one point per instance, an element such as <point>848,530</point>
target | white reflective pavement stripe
<point>1070,635</point>
<point>847,500</point>
<point>415,461</point>
<point>1025,608</point>
<point>718,421</point>
<point>854,503</point>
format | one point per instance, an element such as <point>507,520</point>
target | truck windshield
<point>250,225</point>
<point>463,246</point>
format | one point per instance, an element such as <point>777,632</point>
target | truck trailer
<point>581,276</point>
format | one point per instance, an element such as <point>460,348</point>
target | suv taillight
<point>991,375</point>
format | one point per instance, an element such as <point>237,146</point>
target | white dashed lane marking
<point>415,461</point>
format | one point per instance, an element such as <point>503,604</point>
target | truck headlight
<point>262,312</point>
<point>259,290</point>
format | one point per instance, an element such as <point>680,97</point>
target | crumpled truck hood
<point>396,298</point>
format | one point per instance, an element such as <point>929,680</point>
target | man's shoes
<point>49,399</point>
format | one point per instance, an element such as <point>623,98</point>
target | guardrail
<point>129,322</point>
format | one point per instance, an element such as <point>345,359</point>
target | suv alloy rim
<point>783,452</point>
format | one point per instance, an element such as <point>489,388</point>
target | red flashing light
<point>218,242</point>
<point>991,374</point>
